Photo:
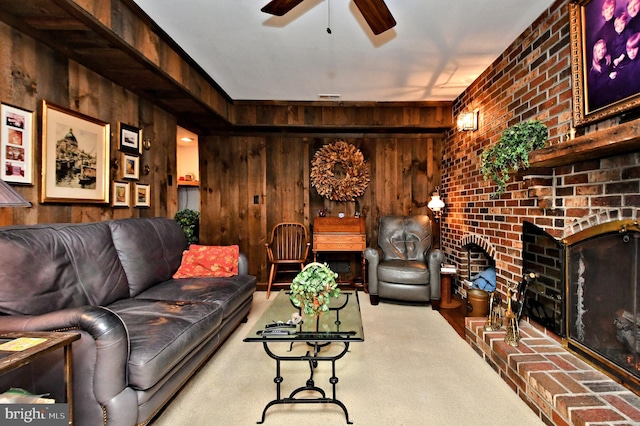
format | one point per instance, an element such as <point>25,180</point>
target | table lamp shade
<point>10,198</point>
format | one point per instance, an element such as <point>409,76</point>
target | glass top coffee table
<point>340,326</point>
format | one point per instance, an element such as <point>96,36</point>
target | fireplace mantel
<point>615,140</point>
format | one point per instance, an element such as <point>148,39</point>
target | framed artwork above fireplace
<point>605,76</point>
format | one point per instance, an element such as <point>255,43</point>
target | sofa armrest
<point>243,264</point>
<point>109,348</point>
<point>435,258</point>
<point>373,256</point>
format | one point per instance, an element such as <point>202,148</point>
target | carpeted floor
<point>412,369</point>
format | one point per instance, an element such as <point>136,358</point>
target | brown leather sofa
<point>404,266</point>
<point>143,333</point>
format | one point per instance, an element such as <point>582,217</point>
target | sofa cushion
<point>96,262</point>
<point>162,333</point>
<point>391,237</point>
<point>229,293</point>
<point>50,267</point>
<point>417,232</point>
<point>403,271</point>
<point>150,250</point>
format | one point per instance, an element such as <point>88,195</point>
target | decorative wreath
<point>326,172</point>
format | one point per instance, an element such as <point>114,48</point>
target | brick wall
<point>530,80</point>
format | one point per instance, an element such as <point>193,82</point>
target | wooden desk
<point>332,234</point>
<point>10,360</point>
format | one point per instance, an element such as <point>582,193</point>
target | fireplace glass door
<point>602,299</point>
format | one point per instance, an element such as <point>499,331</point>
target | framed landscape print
<point>130,139</point>
<point>142,195</point>
<point>75,157</point>
<point>121,194</point>
<point>130,167</point>
<point>605,65</point>
<point>16,136</point>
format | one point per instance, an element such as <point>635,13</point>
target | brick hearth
<point>557,385</point>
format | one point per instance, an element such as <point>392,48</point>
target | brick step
<point>556,384</point>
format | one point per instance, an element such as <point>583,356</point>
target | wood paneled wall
<point>345,116</point>
<point>253,175</point>
<point>274,170</point>
<point>30,73</point>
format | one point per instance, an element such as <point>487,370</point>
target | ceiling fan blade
<point>377,15</point>
<point>280,7</point>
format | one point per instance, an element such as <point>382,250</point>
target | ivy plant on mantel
<point>511,153</point>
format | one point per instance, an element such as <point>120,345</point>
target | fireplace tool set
<point>513,313</point>
<point>494,323</point>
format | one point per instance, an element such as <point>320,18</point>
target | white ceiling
<point>433,53</point>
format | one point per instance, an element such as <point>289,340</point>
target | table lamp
<point>10,198</point>
<point>436,205</point>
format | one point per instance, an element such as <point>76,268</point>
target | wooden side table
<point>445,291</point>
<point>12,360</point>
<point>333,234</point>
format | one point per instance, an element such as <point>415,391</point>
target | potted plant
<point>512,152</point>
<point>189,221</point>
<point>313,288</point>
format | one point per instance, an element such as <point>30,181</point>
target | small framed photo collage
<point>130,147</point>
<point>16,139</point>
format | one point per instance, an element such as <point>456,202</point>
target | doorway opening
<point>188,170</point>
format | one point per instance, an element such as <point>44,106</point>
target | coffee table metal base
<point>312,360</point>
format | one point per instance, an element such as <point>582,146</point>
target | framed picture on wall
<point>605,37</point>
<point>16,139</point>
<point>142,195</point>
<point>130,167</point>
<point>121,194</point>
<point>75,157</point>
<point>130,139</point>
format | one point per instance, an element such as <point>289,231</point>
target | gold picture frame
<point>130,166</point>
<point>603,90</point>
<point>121,194</point>
<point>142,195</point>
<point>75,157</point>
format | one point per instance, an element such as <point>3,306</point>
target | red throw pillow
<point>209,261</point>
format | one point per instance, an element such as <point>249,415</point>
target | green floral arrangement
<point>512,152</point>
<point>313,288</point>
<point>189,221</point>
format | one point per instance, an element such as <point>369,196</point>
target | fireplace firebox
<point>598,293</point>
<point>543,255</point>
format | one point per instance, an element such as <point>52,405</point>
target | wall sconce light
<point>436,205</point>
<point>146,144</point>
<point>468,121</point>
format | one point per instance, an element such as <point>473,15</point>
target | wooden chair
<point>289,245</point>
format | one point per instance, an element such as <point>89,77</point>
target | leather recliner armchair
<point>404,266</point>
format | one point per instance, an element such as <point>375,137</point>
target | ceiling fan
<point>375,12</point>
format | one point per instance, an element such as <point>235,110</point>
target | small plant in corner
<point>189,221</point>
<point>511,153</point>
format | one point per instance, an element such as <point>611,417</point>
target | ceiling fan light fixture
<point>375,12</point>
<point>280,7</point>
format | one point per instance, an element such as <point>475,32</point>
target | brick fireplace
<point>572,185</point>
